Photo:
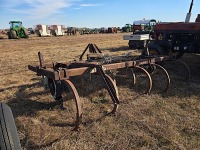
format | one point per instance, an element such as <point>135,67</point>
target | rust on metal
<point>149,87</point>
<point>99,64</point>
<point>92,48</point>
<point>41,59</point>
<point>77,103</point>
<point>182,26</point>
<point>165,75</point>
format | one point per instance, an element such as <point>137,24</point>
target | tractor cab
<point>128,25</point>
<point>152,23</point>
<point>17,30</point>
<point>144,25</point>
<point>15,24</point>
<point>127,28</point>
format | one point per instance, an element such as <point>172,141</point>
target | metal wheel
<point>135,78</point>
<point>160,78</point>
<point>67,96</point>
<point>141,80</point>
<point>153,50</point>
<point>72,103</point>
<point>178,70</point>
<point>114,86</point>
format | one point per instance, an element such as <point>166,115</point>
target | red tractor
<point>176,38</point>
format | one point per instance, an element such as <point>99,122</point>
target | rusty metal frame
<point>59,71</point>
<point>63,71</point>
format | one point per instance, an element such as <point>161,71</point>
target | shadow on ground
<point>122,48</point>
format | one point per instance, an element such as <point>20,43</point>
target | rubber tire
<point>26,34</point>
<point>13,34</point>
<point>134,44</point>
<point>55,89</point>
<point>130,45</point>
<point>9,35</point>
<point>157,48</point>
<point>9,139</point>
<point>179,55</point>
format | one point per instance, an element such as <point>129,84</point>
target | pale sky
<point>93,13</point>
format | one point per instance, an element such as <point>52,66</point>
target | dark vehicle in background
<point>31,31</point>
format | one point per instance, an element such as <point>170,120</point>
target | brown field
<point>156,121</point>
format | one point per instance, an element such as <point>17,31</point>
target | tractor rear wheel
<point>26,34</point>
<point>13,34</point>
<point>177,55</point>
<point>135,44</point>
<point>154,50</point>
<point>9,35</point>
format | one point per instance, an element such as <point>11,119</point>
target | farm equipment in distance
<point>85,30</point>
<point>112,30</point>
<point>143,28</point>
<point>31,31</point>
<point>103,30</point>
<point>17,30</point>
<point>42,30</point>
<point>71,31</point>
<point>57,30</point>
<point>127,28</point>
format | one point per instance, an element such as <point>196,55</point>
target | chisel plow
<point>142,73</point>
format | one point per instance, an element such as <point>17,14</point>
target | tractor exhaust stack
<point>188,16</point>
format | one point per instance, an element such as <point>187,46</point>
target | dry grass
<point>156,121</point>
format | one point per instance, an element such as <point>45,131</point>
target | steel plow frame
<point>99,64</point>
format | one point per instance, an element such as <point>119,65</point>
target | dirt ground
<point>156,121</point>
